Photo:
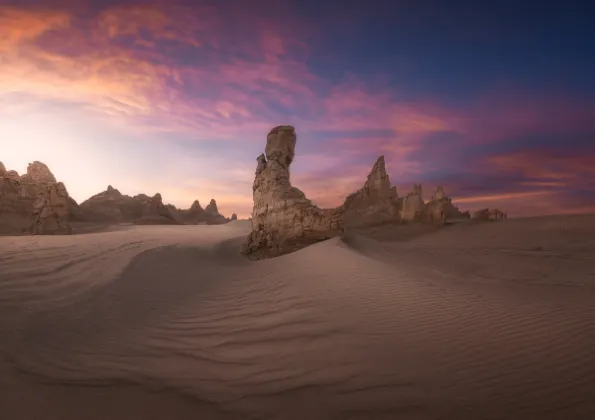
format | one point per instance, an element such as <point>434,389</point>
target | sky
<point>493,100</point>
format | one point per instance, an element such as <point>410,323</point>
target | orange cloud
<point>19,26</point>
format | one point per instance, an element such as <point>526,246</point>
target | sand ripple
<point>358,329</point>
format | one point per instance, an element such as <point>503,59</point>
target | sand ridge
<point>357,328</point>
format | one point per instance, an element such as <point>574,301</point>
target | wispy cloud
<point>194,88</point>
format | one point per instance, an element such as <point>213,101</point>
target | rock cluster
<point>283,219</point>
<point>489,214</point>
<point>196,215</point>
<point>282,216</point>
<point>111,206</point>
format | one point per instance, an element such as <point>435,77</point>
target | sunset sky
<point>495,103</point>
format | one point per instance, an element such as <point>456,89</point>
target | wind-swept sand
<point>492,321</point>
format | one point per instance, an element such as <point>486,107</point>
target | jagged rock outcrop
<point>35,202</point>
<point>283,219</point>
<point>234,216</point>
<point>2,169</point>
<point>376,202</point>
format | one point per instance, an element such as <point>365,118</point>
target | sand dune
<point>493,321</point>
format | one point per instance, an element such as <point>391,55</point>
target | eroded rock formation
<point>50,210</point>
<point>34,202</point>
<point>234,216</point>
<point>376,202</point>
<point>282,217</point>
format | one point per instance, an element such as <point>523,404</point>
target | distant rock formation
<point>234,216</point>
<point>196,215</point>
<point>35,202</point>
<point>154,212</point>
<point>489,214</point>
<point>111,206</point>
<point>376,202</point>
<point>282,217</point>
<point>212,215</point>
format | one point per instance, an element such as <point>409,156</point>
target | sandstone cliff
<point>283,219</point>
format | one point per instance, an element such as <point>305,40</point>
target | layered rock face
<point>35,202</point>
<point>377,202</point>
<point>282,216</point>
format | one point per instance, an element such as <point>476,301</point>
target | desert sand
<point>470,321</point>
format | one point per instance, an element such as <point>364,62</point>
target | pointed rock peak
<point>112,191</point>
<point>212,207</point>
<point>157,196</point>
<point>378,178</point>
<point>2,169</point>
<point>196,206</point>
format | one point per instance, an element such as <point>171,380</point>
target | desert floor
<point>484,321</point>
